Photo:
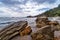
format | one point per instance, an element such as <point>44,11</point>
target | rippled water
<point>7,20</point>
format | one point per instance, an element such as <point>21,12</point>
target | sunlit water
<point>31,22</point>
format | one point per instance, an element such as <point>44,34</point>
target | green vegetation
<point>52,12</point>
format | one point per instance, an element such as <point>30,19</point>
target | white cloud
<point>9,13</point>
<point>30,8</point>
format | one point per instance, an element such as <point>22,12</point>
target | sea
<point>4,21</point>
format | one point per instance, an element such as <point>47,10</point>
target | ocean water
<point>4,21</point>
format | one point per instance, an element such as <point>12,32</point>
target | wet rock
<point>39,25</point>
<point>26,31</point>
<point>55,38</point>
<point>55,26</point>
<point>12,30</point>
<point>53,23</point>
<point>43,34</point>
<point>37,36</point>
<point>58,27</point>
<point>41,21</point>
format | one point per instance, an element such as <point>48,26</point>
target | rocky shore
<point>17,28</point>
<point>46,30</point>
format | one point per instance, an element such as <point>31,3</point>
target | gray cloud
<point>17,8</point>
<point>43,9</point>
<point>1,12</point>
<point>42,1</point>
<point>16,2</point>
<point>11,2</point>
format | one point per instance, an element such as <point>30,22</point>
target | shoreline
<point>32,24</point>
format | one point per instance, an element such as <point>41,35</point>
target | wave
<point>6,23</point>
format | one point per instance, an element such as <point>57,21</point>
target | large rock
<point>53,23</point>
<point>46,32</point>
<point>56,38</point>
<point>26,31</point>
<point>12,30</point>
<point>43,34</point>
<point>41,21</point>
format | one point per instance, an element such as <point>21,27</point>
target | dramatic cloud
<point>42,1</point>
<point>23,8</point>
<point>13,2</point>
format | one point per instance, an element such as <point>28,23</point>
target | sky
<point>23,8</point>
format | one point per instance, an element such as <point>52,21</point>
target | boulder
<point>55,38</point>
<point>43,34</point>
<point>26,31</point>
<point>53,23</point>
<point>12,30</point>
<point>41,21</point>
<point>55,26</point>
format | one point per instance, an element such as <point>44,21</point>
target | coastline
<point>33,24</point>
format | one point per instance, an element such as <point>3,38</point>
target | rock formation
<point>47,29</point>
<point>56,38</point>
<point>12,30</point>
<point>26,31</point>
<point>43,34</point>
<point>41,21</point>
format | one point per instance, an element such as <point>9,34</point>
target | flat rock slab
<point>16,38</point>
<point>27,37</point>
<point>12,30</point>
